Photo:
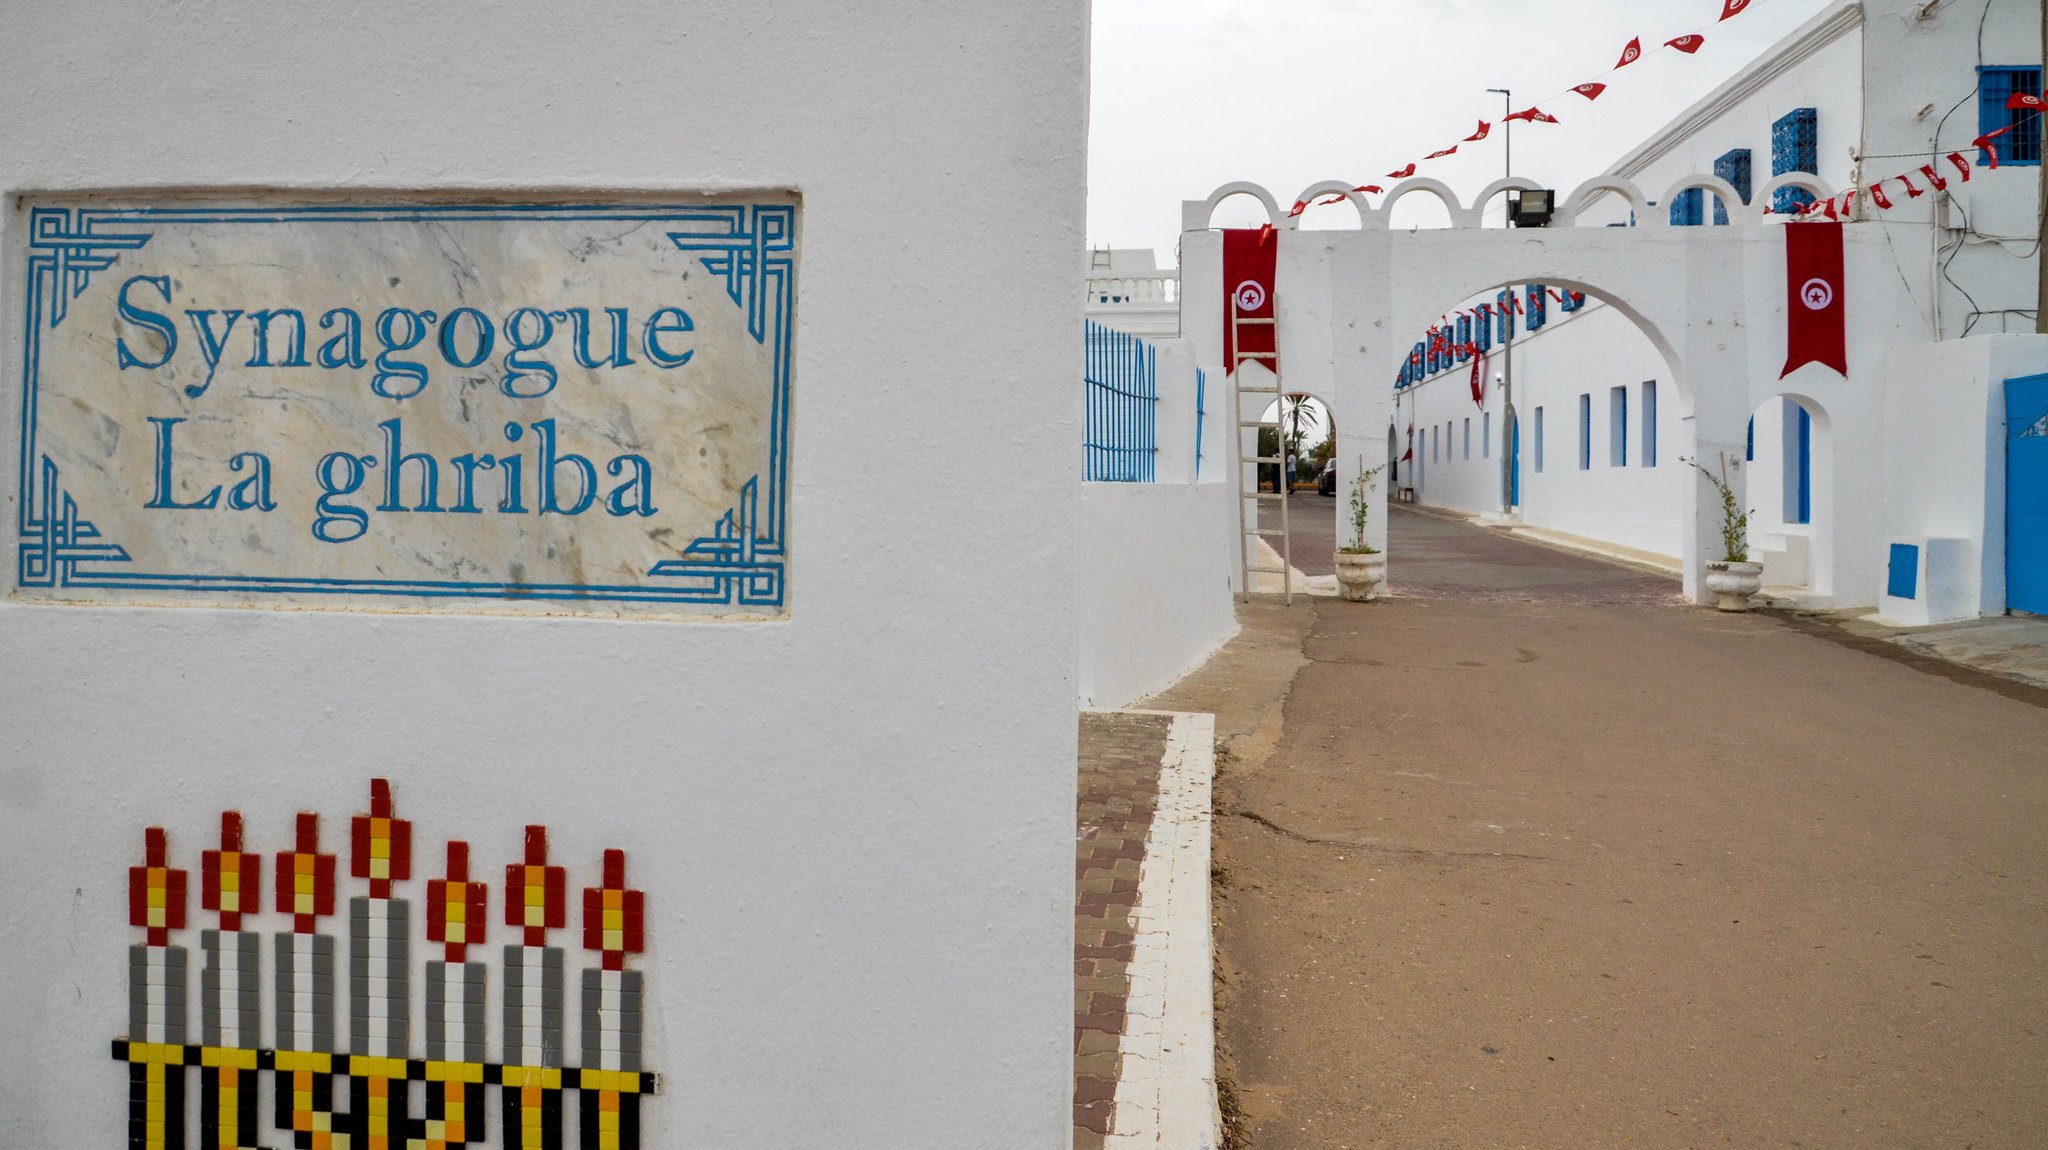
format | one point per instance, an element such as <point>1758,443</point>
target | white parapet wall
<point>852,821</point>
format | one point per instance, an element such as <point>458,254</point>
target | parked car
<point>1326,483</point>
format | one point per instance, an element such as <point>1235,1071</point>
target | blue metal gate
<point>2026,494</point>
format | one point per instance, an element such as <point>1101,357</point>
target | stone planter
<point>1734,583</point>
<point>1361,576</point>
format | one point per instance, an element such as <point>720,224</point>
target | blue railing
<point>1201,409</point>
<point>1122,390</point>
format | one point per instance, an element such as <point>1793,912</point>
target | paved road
<point>1553,866</point>
<point>1314,526</point>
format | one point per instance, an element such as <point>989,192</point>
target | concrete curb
<point>1166,1087</point>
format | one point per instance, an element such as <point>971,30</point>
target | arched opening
<point>1421,204</point>
<point>1304,433</point>
<point>1787,461</point>
<point>1546,406</point>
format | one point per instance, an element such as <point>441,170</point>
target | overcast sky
<point>1189,94</point>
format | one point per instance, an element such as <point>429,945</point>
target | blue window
<point>1733,166</point>
<point>1687,210</point>
<point>1802,494</point>
<point>1539,306</point>
<point>1795,147</point>
<point>1749,444</point>
<point>1507,317</point>
<point>1539,440</point>
<point>1649,423</point>
<point>1617,427</point>
<point>1468,437</point>
<point>1995,86</point>
<point>1483,330</point>
<point>1429,355</point>
<point>1464,337</point>
<point>1485,435</point>
<point>1432,443</point>
<point>1573,301</point>
<point>1417,362</point>
<point>1586,432</point>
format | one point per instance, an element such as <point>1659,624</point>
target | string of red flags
<point>1842,206</point>
<point>2019,100</point>
<point>1688,44</point>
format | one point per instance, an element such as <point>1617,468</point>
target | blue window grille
<point>1507,317</point>
<point>1995,86</point>
<point>1585,432</point>
<point>1617,426</point>
<point>1418,361</point>
<point>1649,423</point>
<point>1749,442</point>
<point>1539,306</point>
<point>1795,147</point>
<point>1734,167</point>
<point>1483,330</point>
<point>1573,301</point>
<point>1464,337</point>
<point>1539,440</point>
<point>1430,358</point>
<point>1121,383</point>
<point>1688,211</point>
<point>1201,409</point>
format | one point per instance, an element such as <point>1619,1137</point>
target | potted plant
<point>1733,578</point>
<point>1361,568</point>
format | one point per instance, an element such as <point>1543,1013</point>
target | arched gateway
<point>1711,300</point>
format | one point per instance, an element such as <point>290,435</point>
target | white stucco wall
<point>854,828</point>
<point>1155,597</point>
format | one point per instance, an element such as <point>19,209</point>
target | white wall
<point>854,828</point>
<point>1155,595</point>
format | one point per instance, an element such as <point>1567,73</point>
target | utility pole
<point>1508,438</point>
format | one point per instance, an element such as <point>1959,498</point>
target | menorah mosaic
<point>374,1093</point>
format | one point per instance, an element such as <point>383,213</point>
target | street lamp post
<point>1508,425</point>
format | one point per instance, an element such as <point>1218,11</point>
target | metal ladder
<point>1249,498</point>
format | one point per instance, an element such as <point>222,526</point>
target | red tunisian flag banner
<point>1250,257</point>
<point>1479,380</point>
<point>1815,313</point>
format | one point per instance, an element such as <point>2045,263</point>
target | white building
<point>1846,99</point>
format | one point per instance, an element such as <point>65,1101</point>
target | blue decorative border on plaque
<point>741,562</point>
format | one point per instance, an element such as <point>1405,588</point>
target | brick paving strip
<point>1144,1056</point>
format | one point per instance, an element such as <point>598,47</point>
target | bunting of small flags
<point>1687,44</point>
<point>1841,206</point>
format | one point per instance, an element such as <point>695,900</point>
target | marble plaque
<point>532,408</point>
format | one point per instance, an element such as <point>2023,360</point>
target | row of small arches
<point>1196,214</point>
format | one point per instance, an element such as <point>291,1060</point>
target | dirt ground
<point>1524,866</point>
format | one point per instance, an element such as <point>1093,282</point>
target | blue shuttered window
<point>1995,86</point>
<point>1539,306</point>
<point>1795,147</point>
<point>1733,166</point>
<point>1507,318</point>
<point>1687,210</point>
<point>1483,336</point>
<point>1464,337</point>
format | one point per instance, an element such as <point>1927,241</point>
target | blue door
<point>2026,494</point>
<point>1514,461</point>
